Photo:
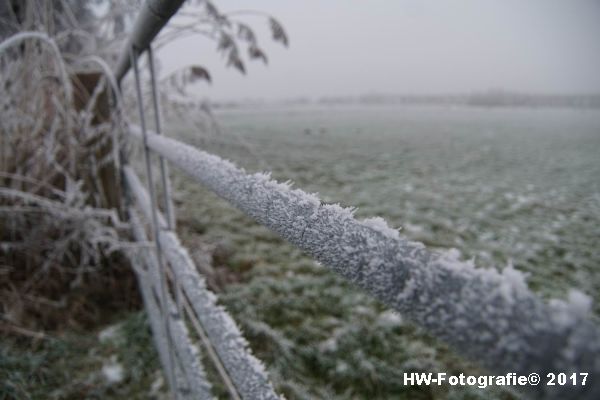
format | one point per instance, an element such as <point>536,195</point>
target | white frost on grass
<point>157,384</point>
<point>389,319</point>
<point>113,371</point>
<point>110,333</point>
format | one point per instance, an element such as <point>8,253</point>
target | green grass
<point>69,366</point>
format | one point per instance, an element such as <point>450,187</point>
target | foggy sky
<point>351,47</point>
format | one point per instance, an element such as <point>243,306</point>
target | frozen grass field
<point>502,186</point>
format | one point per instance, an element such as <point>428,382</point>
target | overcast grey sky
<point>350,47</point>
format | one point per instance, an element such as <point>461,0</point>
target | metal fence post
<point>159,255</point>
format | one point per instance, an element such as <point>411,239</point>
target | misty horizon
<point>358,96</point>
<point>350,48</point>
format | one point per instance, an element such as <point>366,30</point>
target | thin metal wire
<point>210,351</point>
<point>164,171</point>
<point>159,253</point>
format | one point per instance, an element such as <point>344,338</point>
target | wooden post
<point>104,178</point>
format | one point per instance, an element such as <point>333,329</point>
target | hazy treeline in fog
<point>489,98</point>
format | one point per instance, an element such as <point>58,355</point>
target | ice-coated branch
<point>246,372</point>
<point>489,316</point>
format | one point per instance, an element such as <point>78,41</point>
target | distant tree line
<point>490,98</point>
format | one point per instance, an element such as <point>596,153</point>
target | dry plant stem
<point>15,329</point>
<point>64,210</point>
<point>19,37</point>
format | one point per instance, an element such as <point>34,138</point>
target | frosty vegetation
<point>62,228</point>
<point>487,315</point>
<point>58,218</point>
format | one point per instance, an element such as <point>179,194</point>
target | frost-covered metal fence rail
<point>489,316</point>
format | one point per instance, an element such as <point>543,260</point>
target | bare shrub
<point>61,144</point>
<point>59,197</point>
